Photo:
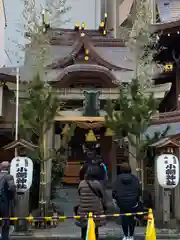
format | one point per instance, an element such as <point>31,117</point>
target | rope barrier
<point>52,218</point>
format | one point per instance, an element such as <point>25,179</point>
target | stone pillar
<point>49,147</point>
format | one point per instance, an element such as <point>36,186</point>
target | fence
<point>150,230</point>
<point>50,218</point>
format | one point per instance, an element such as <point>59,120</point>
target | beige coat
<point>89,202</point>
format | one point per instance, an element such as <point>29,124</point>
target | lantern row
<point>46,23</point>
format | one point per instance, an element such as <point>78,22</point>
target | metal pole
<point>17,109</point>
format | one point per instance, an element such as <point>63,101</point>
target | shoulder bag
<point>97,194</point>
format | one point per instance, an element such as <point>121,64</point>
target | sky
<point>2,26</point>
<point>14,32</point>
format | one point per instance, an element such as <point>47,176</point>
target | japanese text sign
<point>167,170</point>
<point>22,170</point>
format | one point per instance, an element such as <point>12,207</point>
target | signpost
<point>167,171</point>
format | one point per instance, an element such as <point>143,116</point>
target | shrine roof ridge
<point>83,41</point>
<point>68,36</point>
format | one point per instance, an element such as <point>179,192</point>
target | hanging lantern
<point>45,20</point>
<point>101,26</point>
<point>76,27</point>
<point>168,67</point>
<point>86,58</point>
<point>109,133</point>
<point>105,20</point>
<point>83,26</point>
<point>90,137</point>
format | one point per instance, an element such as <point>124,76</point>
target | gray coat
<point>90,202</point>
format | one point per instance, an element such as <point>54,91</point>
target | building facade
<point>86,62</point>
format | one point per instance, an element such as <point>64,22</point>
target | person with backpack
<point>7,198</point>
<point>126,194</point>
<point>103,172</point>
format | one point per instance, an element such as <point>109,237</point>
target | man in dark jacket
<point>126,193</point>
<point>7,197</point>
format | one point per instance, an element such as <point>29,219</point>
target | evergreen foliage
<point>37,116</point>
<point>41,105</point>
<point>132,113</point>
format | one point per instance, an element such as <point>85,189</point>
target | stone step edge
<point>70,236</point>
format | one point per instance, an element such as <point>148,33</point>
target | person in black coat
<point>126,193</point>
<point>92,159</point>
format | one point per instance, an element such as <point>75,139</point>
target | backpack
<point>105,170</point>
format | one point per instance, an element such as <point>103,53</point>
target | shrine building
<point>87,67</point>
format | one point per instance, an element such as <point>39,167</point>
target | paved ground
<point>66,199</point>
<point>68,230</point>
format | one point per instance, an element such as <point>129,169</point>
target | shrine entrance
<point>87,135</point>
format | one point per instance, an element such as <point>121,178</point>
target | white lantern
<point>167,170</point>
<point>22,170</point>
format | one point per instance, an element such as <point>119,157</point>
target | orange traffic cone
<point>90,234</point>
<point>150,229</point>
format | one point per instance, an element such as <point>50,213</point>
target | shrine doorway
<point>76,151</point>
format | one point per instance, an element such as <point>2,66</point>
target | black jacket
<point>126,191</point>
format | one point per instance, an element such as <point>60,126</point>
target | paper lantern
<point>167,170</point>
<point>76,27</point>
<point>22,170</point>
<point>168,67</point>
<point>83,26</point>
<point>104,32</point>
<point>102,24</point>
<point>86,58</point>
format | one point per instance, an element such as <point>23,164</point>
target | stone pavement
<point>68,230</point>
<point>66,199</point>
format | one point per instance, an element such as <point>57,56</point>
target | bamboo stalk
<point>42,198</point>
